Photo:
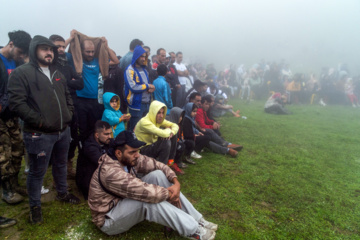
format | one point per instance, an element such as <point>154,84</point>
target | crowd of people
<point>137,121</point>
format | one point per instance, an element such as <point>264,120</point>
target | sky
<point>307,34</point>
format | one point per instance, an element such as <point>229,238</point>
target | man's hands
<point>104,40</point>
<point>151,88</point>
<point>216,125</point>
<point>174,193</point>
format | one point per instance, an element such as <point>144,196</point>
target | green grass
<point>298,177</point>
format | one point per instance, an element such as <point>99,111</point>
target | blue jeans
<point>137,115</point>
<point>40,148</point>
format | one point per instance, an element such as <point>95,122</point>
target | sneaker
<point>235,146</point>
<point>44,190</point>
<point>232,152</point>
<point>170,162</point>
<point>6,222</point>
<point>208,225</point>
<point>12,197</point>
<point>189,160</point>
<point>36,215</point>
<point>177,170</point>
<point>182,165</point>
<point>68,198</point>
<point>195,155</point>
<point>202,234</point>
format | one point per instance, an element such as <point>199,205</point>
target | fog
<point>306,34</point>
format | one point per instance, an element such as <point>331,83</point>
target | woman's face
<point>193,113</point>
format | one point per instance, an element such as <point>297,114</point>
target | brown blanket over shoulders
<point>100,52</point>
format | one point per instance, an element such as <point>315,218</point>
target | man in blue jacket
<point>137,87</point>
<point>162,91</point>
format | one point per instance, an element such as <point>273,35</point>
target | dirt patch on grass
<point>346,232</point>
<point>268,206</point>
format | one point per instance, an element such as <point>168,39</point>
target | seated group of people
<point>126,175</point>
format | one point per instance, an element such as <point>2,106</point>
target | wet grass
<point>298,177</point>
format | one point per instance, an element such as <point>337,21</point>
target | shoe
<point>232,152</point>
<point>68,198</point>
<point>235,146</point>
<point>195,155</point>
<point>177,170</point>
<point>182,165</point>
<point>202,234</point>
<point>189,160</point>
<point>36,215</point>
<point>9,195</point>
<point>170,162</point>
<point>6,222</point>
<point>208,225</point>
<point>44,190</point>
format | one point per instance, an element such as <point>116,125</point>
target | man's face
<point>44,55</point>
<point>173,56</point>
<point>197,101</point>
<point>206,106</point>
<point>179,58</point>
<point>162,57</point>
<point>16,53</point>
<point>147,51</point>
<point>167,60</point>
<point>141,60</point>
<point>104,136</point>
<point>160,116</point>
<point>129,157</point>
<point>89,51</point>
<point>61,47</point>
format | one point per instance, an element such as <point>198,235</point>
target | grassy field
<point>298,177</point>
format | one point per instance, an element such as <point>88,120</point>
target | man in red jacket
<point>210,127</point>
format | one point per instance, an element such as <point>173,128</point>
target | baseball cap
<point>127,137</point>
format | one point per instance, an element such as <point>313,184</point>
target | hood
<point>107,97</point>
<point>175,114</point>
<point>155,107</point>
<point>188,109</point>
<point>138,51</point>
<point>35,42</point>
<point>218,98</point>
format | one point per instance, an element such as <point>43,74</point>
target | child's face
<point>193,113</point>
<point>114,103</point>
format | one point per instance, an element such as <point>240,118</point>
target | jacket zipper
<point>57,98</point>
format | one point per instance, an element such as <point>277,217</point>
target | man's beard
<point>44,62</point>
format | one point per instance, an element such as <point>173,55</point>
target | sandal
<point>69,198</point>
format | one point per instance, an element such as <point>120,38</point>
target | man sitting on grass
<point>158,133</point>
<point>210,127</point>
<point>128,188</point>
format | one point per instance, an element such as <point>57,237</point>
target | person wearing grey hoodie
<point>38,94</point>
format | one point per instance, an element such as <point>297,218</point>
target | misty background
<point>307,34</point>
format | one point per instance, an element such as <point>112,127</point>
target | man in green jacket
<point>38,94</point>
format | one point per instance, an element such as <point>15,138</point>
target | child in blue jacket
<point>112,114</point>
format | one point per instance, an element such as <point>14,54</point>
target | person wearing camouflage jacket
<point>128,188</point>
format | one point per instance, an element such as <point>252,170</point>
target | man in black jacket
<point>38,94</point>
<point>94,146</point>
<point>11,142</point>
<point>74,82</point>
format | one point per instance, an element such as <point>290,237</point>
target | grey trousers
<point>129,212</point>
